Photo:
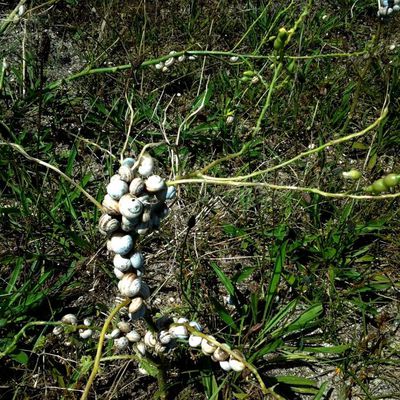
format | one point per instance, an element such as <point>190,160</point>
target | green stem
<point>308,152</point>
<point>97,359</point>
<point>267,104</point>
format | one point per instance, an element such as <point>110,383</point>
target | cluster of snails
<point>387,7</point>
<point>164,66</point>
<point>71,319</point>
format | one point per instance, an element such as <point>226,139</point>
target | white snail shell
<point>146,165</point>
<point>114,334</point>
<point>119,274</point>
<point>137,186</point>
<point>169,62</point>
<point>117,188</point>
<point>195,341</point>
<point>235,364</point>
<point>58,330</point>
<point>128,161</point>
<point>207,348</point>
<point>146,216</point>
<point>121,243</point>
<point>159,65</point>
<point>121,343</point>
<point>141,348</point>
<point>178,332</point>
<point>154,183</point>
<point>122,263</point>
<point>225,365</point>
<point>181,58</point>
<point>85,333</point>
<point>149,339</point>
<point>130,207</point>
<point>111,206</point>
<point>69,319</point>
<point>159,348</point>
<point>129,285</point>
<point>142,370</point>
<point>137,309</point>
<point>137,260</point>
<point>126,174</point>
<point>133,336</point>
<point>108,224</point>
<point>87,321</point>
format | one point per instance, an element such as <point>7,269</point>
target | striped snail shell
<point>69,319</point>
<point>136,308</point>
<point>207,348</point>
<point>110,205</point>
<point>130,207</point>
<point>126,173</point>
<point>220,355</point>
<point>149,339</point>
<point>136,187</point>
<point>119,274</point>
<point>129,285</point>
<point>108,224</point>
<point>164,337</point>
<point>236,364</point>
<point>159,348</point>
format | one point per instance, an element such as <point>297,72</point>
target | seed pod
<point>379,186</point>
<point>391,180</point>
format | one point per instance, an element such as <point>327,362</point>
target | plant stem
<point>97,359</point>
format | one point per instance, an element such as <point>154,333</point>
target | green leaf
<point>276,276</point>
<point>360,146</point>
<point>224,279</point>
<point>203,99</point>
<point>224,315</point>
<point>20,357</point>
<point>296,381</point>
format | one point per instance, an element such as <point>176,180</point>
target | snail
<point>171,193</point>
<point>136,187</point>
<point>121,343</point>
<point>121,243</point>
<point>225,365</point>
<point>133,336</point>
<point>136,308</point>
<point>110,205</point>
<point>137,260</point>
<point>129,285</point>
<point>194,341</point>
<point>129,224</point>
<point>119,274</point>
<point>149,339</point>
<point>130,207</point>
<point>207,348</point>
<point>141,348</point>
<point>114,334</point>
<point>164,337</point>
<point>126,174</point>
<point>108,224</point>
<point>220,355</point>
<point>154,184</point>
<point>124,326</point>
<point>121,263</point>
<point>117,188</point>
<point>146,165</point>
<point>85,333</point>
<point>236,364</point>
<point>69,319</point>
